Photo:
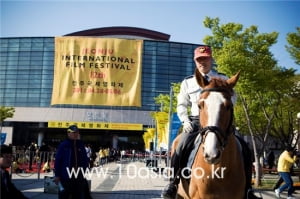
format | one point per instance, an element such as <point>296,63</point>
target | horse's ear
<point>233,80</point>
<point>202,82</point>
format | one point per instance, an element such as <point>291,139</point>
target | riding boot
<point>170,190</point>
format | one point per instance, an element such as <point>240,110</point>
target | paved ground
<point>113,181</point>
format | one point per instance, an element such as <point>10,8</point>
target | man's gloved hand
<point>187,127</point>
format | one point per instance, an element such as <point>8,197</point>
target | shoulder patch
<point>189,77</point>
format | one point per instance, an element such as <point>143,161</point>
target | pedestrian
<point>271,160</point>
<point>8,189</point>
<point>187,102</point>
<point>101,156</point>
<point>89,153</point>
<point>71,156</point>
<point>32,152</point>
<point>106,155</point>
<point>44,153</point>
<point>285,162</point>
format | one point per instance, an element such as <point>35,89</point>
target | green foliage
<point>164,99</point>
<point>263,84</point>
<point>269,92</point>
<point>5,112</point>
<point>294,45</point>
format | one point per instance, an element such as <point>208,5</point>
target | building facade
<point>26,81</point>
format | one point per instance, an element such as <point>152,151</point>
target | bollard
<point>39,169</point>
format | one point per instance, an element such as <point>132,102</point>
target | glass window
<point>37,39</point>
<point>25,45</point>
<point>22,58</point>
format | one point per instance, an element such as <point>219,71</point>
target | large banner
<point>97,71</point>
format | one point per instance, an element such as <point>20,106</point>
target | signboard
<point>175,126</point>
<point>6,135</point>
<point>96,125</point>
<point>3,137</point>
<point>97,71</point>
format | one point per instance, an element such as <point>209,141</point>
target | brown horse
<point>218,168</point>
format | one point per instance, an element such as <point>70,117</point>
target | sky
<point>182,19</point>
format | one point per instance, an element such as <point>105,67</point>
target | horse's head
<point>216,114</point>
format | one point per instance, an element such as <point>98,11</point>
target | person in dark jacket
<point>71,159</point>
<point>8,189</point>
<point>271,161</point>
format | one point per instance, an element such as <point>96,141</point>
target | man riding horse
<point>188,97</point>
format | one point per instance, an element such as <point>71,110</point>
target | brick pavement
<point>134,181</point>
<point>129,180</point>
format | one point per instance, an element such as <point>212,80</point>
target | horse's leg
<point>183,187</point>
<point>175,144</point>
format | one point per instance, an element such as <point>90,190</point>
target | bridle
<point>220,134</point>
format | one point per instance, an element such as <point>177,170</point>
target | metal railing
<point>30,162</point>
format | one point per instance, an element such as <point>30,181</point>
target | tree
<point>285,118</point>
<point>164,99</point>
<point>262,83</point>
<point>294,48</point>
<point>5,112</point>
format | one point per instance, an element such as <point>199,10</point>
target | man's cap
<point>72,128</point>
<point>4,149</point>
<point>202,51</point>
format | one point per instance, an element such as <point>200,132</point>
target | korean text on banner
<point>97,71</point>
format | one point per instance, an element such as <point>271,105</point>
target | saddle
<point>194,151</point>
<point>245,151</point>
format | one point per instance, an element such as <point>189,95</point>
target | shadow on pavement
<point>132,194</point>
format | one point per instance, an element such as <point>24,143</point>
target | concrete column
<point>115,141</point>
<point>40,138</point>
<point>40,135</point>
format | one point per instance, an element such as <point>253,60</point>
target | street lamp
<point>170,127</point>
<point>298,123</point>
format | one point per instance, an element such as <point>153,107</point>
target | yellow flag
<point>148,137</point>
<point>161,123</point>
